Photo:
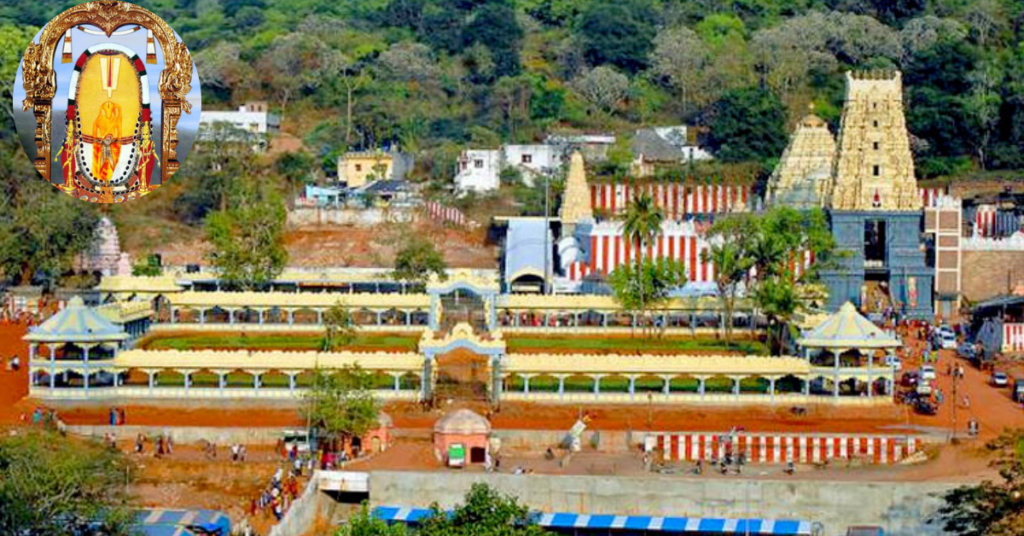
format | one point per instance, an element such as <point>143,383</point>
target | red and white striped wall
<point>675,200</point>
<point>452,215</point>
<point>681,241</point>
<point>684,242</point>
<point>992,222</point>
<point>763,448</point>
<point>930,196</point>
<point>1013,337</point>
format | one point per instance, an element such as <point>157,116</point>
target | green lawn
<point>275,341</point>
<point>629,344</point>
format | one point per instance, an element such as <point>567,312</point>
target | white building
<point>254,118</point>
<point>532,160</point>
<point>479,170</point>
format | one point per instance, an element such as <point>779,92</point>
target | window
<point>359,167</point>
<point>478,163</point>
<point>875,123</point>
<point>876,170</point>
<point>527,158</point>
<point>876,145</point>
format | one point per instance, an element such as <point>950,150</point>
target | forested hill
<point>436,75</point>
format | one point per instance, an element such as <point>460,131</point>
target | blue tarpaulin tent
<point>648,524</point>
<point>173,522</point>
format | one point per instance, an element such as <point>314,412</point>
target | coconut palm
<point>641,226</point>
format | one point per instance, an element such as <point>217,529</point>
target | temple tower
<point>875,209</point>
<point>576,201</point>
<point>803,178</point>
<point>874,168</point>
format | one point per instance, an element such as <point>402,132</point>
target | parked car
<point>927,372</point>
<point>946,340</point>
<point>999,379</point>
<point>966,351</point>
<point>894,362</point>
<point>1018,389</point>
<point>924,388</point>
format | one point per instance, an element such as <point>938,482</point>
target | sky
<point>188,125</point>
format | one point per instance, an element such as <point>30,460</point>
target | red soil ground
<point>13,384</point>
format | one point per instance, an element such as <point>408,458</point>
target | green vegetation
<point>418,260</point>
<point>339,329</point>
<point>274,342</point>
<point>52,484</point>
<point>523,343</point>
<point>340,405</point>
<point>247,236</point>
<point>991,507</point>
<point>484,512</point>
<point>771,244</point>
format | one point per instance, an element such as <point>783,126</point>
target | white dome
<point>462,422</point>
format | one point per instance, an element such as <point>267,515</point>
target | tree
<point>148,266</point>
<point>680,56</point>
<point>417,260</point>
<point>640,226</point>
<point>484,512</point>
<point>729,254</point>
<point>409,62</point>
<point>211,170</point>
<point>777,298</point>
<point>41,230</point>
<point>617,32</point>
<point>12,45</point>
<point>248,237</point>
<point>748,124</point>
<point>646,286</point>
<point>983,104</point>
<point>339,329</point>
<point>341,405</point>
<point>603,87</point>
<point>52,484</point>
<point>494,25</point>
<point>296,62</point>
<point>362,523</point>
<point>991,508</point>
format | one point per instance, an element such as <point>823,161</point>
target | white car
<point>1000,379</point>
<point>894,362</point>
<point>927,372</point>
<point>947,341</point>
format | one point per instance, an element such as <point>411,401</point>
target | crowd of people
<point>278,495</point>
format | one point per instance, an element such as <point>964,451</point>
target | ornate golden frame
<point>109,15</point>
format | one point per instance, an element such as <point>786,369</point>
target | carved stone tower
<point>874,168</point>
<point>803,177</point>
<point>576,202</point>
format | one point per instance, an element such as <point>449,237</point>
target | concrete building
<point>357,168</point>
<point>479,170</point>
<point>253,119</point>
<point>533,161</point>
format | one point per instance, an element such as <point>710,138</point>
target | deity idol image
<point>112,143</point>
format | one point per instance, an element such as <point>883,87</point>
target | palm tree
<point>641,226</point>
<point>732,266</point>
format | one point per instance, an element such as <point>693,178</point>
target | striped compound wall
<point>1013,337</point>
<point>782,448</point>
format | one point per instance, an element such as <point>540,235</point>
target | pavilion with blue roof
<point>79,340</point>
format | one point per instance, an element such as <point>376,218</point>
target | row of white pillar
<point>290,316</point>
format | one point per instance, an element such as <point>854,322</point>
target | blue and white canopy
<point>173,522</point>
<point>652,524</point>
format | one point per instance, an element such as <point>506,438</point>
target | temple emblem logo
<point>109,102</point>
